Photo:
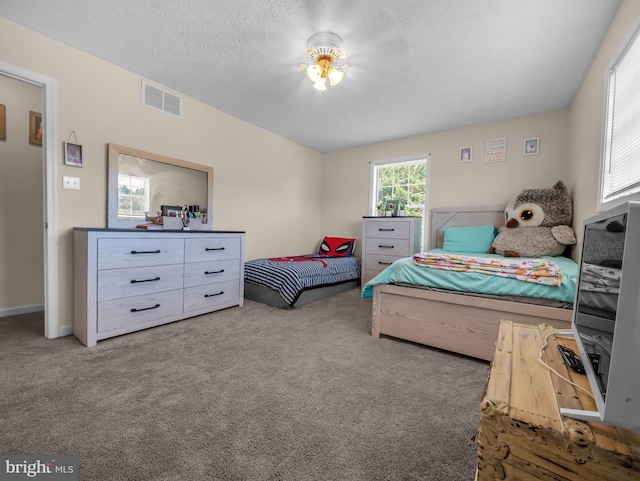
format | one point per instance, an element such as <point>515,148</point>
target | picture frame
<point>170,210</point>
<point>35,128</point>
<point>73,154</point>
<point>495,150</point>
<point>3,122</point>
<point>465,154</point>
<point>531,146</point>
<point>391,206</point>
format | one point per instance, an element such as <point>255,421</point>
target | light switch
<point>72,183</point>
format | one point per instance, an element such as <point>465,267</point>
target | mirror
<point>142,182</point>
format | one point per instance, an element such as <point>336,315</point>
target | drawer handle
<point>386,247</point>
<point>214,295</point>
<point>386,230</point>
<point>157,251</point>
<point>214,272</point>
<point>214,249</point>
<point>136,281</point>
<point>145,308</point>
<point>384,263</point>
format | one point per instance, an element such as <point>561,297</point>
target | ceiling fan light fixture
<point>314,72</point>
<point>335,76</point>
<point>320,84</point>
<point>324,59</point>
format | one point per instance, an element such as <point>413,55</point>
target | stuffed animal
<point>538,223</point>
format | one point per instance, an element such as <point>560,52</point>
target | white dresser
<point>386,239</point>
<point>127,280</point>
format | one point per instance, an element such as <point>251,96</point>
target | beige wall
<point>21,215</point>
<point>586,116</point>
<point>263,183</point>
<point>452,184</point>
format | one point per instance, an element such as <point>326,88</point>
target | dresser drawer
<point>375,264</point>
<point>135,281</point>
<point>208,249</point>
<point>128,311</point>
<point>211,296</point>
<point>201,273</point>
<point>380,262</point>
<point>387,247</point>
<point>393,229</point>
<point>118,253</point>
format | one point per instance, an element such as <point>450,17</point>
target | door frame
<point>51,291</point>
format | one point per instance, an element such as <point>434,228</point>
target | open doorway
<point>48,219</point>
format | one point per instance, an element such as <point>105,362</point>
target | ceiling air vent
<point>158,99</point>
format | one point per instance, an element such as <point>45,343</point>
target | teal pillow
<point>472,239</point>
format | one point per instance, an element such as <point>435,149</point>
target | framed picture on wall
<point>35,128</point>
<point>495,150</point>
<point>531,146</point>
<point>465,154</point>
<point>72,154</point>
<point>3,122</point>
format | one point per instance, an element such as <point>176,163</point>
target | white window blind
<point>621,153</point>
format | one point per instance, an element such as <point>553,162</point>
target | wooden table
<point>522,435</point>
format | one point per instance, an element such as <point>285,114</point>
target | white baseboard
<point>65,331</point>
<point>16,311</point>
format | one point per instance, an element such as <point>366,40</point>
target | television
<point>606,316</point>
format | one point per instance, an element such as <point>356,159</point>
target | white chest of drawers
<point>386,239</point>
<point>128,280</point>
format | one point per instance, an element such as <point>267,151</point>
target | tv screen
<point>598,285</point>
<point>606,315</point>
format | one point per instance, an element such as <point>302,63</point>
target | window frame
<point>373,193</point>
<point>630,191</point>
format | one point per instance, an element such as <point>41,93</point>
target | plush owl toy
<point>538,223</point>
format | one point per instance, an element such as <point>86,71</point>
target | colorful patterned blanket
<point>538,271</point>
<point>600,278</point>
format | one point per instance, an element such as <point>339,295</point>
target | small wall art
<point>72,154</point>
<point>495,150</point>
<point>35,128</point>
<point>531,146</point>
<point>3,122</point>
<point>465,154</point>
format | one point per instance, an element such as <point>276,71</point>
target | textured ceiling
<point>415,66</point>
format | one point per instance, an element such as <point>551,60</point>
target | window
<point>620,164</point>
<point>133,196</point>
<point>403,181</point>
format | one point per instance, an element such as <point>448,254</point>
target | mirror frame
<point>114,152</point>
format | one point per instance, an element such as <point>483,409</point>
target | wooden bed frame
<point>460,323</point>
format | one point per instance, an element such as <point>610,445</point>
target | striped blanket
<point>292,275</point>
<point>539,271</point>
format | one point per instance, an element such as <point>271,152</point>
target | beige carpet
<point>251,393</point>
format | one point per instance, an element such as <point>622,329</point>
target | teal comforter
<point>406,271</point>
